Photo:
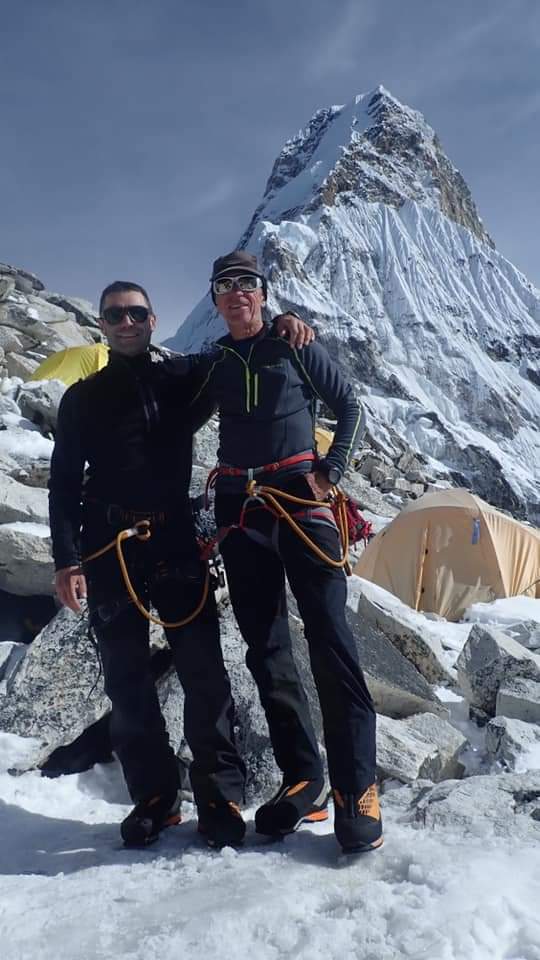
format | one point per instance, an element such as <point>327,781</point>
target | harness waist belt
<point>224,470</point>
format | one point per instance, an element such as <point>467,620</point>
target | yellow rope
<point>269,494</point>
<point>117,544</point>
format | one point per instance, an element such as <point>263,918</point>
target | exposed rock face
<point>366,226</point>
<point>26,565</point>
<point>507,805</point>
<point>35,323</point>
<point>424,652</point>
<point>519,699</point>
<point>423,746</point>
<point>509,741</point>
<point>488,658</point>
<point>20,502</point>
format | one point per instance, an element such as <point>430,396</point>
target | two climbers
<point>131,425</point>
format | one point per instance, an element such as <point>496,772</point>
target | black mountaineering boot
<point>143,825</point>
<point>221,823</point>
<point>357,820</point>
<point>293,804</point>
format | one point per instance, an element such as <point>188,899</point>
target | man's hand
<point>320,485</point>
<point>298,333</point>
<point>70,585</point>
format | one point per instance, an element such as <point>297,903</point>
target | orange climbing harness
<point>141,530</point>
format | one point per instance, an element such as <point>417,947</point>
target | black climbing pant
<point>167,573</point>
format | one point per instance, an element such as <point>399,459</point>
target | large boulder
<point>423,746</point>
<point>507,805</point>
<point>26,564</point>
<point>513,744</point>
<point>39,401</point>
<point>397,688</point>
<point>489,657</point>
<point>421,647</point>
<point>20,502</point>
<point>519,699</point>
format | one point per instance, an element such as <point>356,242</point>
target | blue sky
<point>136,136</point>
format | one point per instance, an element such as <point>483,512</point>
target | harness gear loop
<point>269,497</point>
<point>142,531</point>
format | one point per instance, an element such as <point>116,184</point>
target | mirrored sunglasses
<point>247,284</point>
<point>115,315</point>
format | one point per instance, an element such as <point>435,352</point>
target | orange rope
<point>117,545</point>
<point>269,495</point>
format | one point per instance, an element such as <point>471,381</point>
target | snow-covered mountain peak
<point>373,148</point>
<point>368,228</point>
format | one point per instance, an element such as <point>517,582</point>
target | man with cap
<point>266,391</point>
<point>131,424</point>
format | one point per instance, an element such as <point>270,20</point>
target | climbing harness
<point>224,470</point>
<point>141,530</point>
<point>270,498</point>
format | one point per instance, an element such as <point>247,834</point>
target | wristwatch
<point>331,473</point>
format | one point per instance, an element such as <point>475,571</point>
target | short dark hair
<point>121,286</point>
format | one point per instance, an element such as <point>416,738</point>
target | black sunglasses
<point>114,315</point>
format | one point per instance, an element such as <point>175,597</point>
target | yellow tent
<point>72,364</point>
<point>450,549</point>
<point>324,440</point>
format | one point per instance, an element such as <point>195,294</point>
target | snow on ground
<point>505,612</point>
<point>69,891</point>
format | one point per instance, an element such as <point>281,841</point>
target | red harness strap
<point>224,470</point>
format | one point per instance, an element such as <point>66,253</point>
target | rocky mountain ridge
<point>367,228</point>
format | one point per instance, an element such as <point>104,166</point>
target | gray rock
<point>36,474</point>
<point>206,444</point>
<point>507,805</point>
<point>51,696</point>
<point>397,688</point>
<point>488,658</point>
<point>12,341</point>
<point>39,401</point>
<point>10,656</point>
<point>26,564</point>
<point>20,502</point>
<point>84,312</point>
<point>526,632</point>
<point>7,286</point>
<point>519,699</point>
<point>508,742</point>
<point>422,746</point>
<point>21,366</point>
<point>49,326</point>
<point>8,406</point>
<point>369,497</point>
<point>423,651</point>
<point>8,465</point>
<point>18,275</point>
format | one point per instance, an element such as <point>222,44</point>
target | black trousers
<point>165,571</point>
<point>256,575</point>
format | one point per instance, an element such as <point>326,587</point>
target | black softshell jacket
<point>131,424</point>
<point>267,393</point>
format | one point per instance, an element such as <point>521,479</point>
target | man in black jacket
<point>266,392</point>
<point>130,423</point>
